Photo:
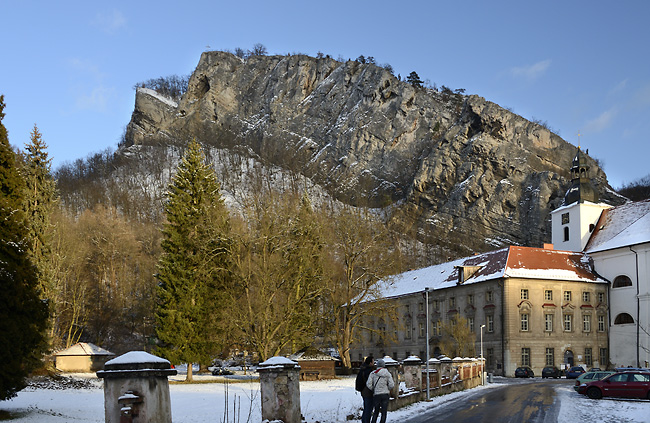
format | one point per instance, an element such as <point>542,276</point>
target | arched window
<point>621,281</point>
<point>566,233</point>
<point>623,319</point>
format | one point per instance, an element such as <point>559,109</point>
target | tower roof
<point>581,189</point>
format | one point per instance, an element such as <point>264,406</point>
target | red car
<point>622,385</point>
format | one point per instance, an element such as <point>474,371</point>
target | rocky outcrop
<point>455,169</point>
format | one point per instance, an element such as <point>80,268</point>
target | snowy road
<point>324,401</point>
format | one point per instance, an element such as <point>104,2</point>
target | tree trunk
<point>189,378</point>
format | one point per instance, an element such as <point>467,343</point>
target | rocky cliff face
<point>457,170</point>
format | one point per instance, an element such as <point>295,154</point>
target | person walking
<point>362,378</point>
<point>380,382</point>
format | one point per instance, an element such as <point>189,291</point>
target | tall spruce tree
<point>23,315</point>
<point>193,269</point>
<point>38,203</point>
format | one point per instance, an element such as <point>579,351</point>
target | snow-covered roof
<point>622,226</point>
<point>510,262</point>
<point>137,357</point>
<point>84,348</point>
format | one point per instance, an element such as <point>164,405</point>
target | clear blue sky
<point>582,66</point>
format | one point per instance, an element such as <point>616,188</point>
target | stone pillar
<point>136,388</point>
<point>412,372</point>
<point>393,367</point>
<point>280,390</point>
<point>445,371</point>
<point>434,373</point>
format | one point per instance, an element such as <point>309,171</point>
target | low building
<point>314,364</point>
<point>82,357</point>
<point>538,307</point>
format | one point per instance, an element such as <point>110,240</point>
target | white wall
<point>623,338</point>
<point>581,216</point>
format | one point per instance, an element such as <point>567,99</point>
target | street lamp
<point>426,301</point>
<point>482,361</point>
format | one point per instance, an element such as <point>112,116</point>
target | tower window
<point>566,233</point>
<point>565,218</point>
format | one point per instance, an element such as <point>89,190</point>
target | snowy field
<point>321,401</point>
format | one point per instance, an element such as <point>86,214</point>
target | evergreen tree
<point>23,315</point>
<point>414,79</point>
<point>193,269</point>
<point>38,203</point>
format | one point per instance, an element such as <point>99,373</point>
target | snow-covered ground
<point>321,401</point>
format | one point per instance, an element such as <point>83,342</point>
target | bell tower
<point>573,222</point>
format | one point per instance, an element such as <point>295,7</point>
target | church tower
<point>575,220</point>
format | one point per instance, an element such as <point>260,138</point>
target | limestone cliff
<point>456,169</point>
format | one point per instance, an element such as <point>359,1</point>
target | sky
<point>581,66</point>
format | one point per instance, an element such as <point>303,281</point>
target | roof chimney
<point>548,246</point>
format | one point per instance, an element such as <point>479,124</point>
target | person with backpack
<point>360,385</point>
<point>381,383</point>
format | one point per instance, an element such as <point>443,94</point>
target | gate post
<point>136,389</point>
<point>280,390</point>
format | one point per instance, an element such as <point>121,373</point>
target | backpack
<point>360,383</point>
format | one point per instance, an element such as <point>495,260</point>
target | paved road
<point>530,402</point>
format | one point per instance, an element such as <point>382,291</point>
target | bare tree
<point>363,254</point>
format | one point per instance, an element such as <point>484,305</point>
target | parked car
<point>590,377</point>
<point>220,371</point>
<point>524,371</point>
<point>574,372</point>
<point>551,371</point>
<point>635,384</point>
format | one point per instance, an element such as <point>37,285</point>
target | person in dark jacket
<point>364,372</point>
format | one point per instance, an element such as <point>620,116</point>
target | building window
<point>452,302</point>
<point>421,329</point>
<point>436,328</point>
<point>586,297</point>
<point>588,357</point>
<point>548,322</point>
<point>489,297</point>
<point>525,356</point>
<point>470,324</point>
<point>601,323</point>
<point>408,309</point>
<point>621,281</point>
<point>550,357</point>
<point>623,319</point>
<point>548,295</point>
<point>524,323</point>
<point>489,322</point>
<point>568,320</point>
<point>470,299</point>
<point>524,294</point>
<point>565,218</point>
<point>420,307</point>
<point>567,295</point>
<point>566,233</point>
<point>603,359</point>
<point>408,330</point>
<point>436,305</point>
<point>601,297</point>
<point>586,323</point>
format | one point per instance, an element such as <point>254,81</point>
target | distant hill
<point>449,170</point>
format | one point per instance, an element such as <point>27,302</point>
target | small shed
<point>314,364</point>
<point>82,357</point>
